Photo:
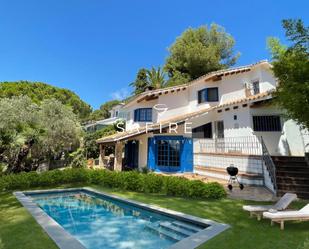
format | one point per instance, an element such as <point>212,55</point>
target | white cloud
<point>121,94</point>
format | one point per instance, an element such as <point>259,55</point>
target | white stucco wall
<point>245,164</point>
<point>240,127</point>
<point>177,104</point>
<point>294,137</point>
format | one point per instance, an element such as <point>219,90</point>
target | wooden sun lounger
<point>282,204</point>
<point>282,216</point>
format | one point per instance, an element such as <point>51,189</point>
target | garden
<point>19,230</point>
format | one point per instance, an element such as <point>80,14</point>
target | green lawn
<point>19,230</point>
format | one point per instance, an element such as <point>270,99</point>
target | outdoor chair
<point>282,204</point>
<point>282,216</point>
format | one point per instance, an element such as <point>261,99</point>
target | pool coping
<point>65,240</point>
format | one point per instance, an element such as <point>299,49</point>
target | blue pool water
<point>102,222</point>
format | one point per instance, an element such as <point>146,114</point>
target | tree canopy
<point>156,77</point>
<point>291,67</point>
<point>107,106</point>
<point>141,82</point>
<point>38,92</point>
<point>199,51</point>
<point>153,78</point>
<point>90,145</point>
<point>42,131</point>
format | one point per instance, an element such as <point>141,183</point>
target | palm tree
<point>156,77</point>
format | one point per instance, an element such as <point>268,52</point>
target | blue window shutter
<point>151,153</point>
<point>136,115</point>
<point>187,155</point>
<point>199,96</point>
<point>206,95</point>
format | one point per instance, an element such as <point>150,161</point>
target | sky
<point>95,47</point>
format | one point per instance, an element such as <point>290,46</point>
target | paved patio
<point>253,193</point>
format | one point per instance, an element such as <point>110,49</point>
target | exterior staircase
<point>292,175</point>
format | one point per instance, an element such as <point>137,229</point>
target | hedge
<point>131,180</point>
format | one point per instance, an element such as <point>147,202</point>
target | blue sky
<point>95,47</point>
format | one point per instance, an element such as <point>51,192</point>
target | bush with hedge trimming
<point>132,181</point>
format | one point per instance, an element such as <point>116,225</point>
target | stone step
<point>293,187</point>
<point>155,227</point>
<point>288,159</point>
<point>280,164</point>
<point>174,228</point>
<point>293,173</point>
<point>186,226</point>
<point>292,180</point>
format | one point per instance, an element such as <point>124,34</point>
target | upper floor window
<point>267,123</point>
<point>143,115</point>
<point>208,95</point>
<point>256,87</point>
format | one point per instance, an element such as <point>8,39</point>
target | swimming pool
<point>94,220</point>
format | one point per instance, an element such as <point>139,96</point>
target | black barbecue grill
<point>233,171</point>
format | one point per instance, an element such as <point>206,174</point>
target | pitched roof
<point>208,76</point>
<point>181,118</point>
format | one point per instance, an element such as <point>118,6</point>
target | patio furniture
<point>282,216</point>
<point>282,204</point>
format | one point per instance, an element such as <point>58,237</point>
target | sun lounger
<point>282,204</point>
<point>282,216</point>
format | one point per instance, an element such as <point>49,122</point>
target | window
<point>256,87</point>
<point>122,114</point>
<point>266,123</point>
<point>208,95</point>
<point>168,153</point>
<point>143,115</point>
<point>116,114</point>
<point>219,125</point>
<point>204,131</point>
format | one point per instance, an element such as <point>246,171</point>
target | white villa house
<point>99,124</point>
<point>222,118</point>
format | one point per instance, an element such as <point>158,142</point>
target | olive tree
<point>30,132</point>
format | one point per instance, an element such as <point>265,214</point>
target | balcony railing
<point>249,145</point>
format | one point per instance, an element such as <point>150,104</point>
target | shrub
<point>175,186</point>
<point>2,168</point>
<point>77,158</point>
<point>152,183</point>
<point>131,180</point>
<point>145,170</point>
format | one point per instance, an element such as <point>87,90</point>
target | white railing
<point>249,145</point>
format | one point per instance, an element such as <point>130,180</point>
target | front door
<point>131,154</point>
